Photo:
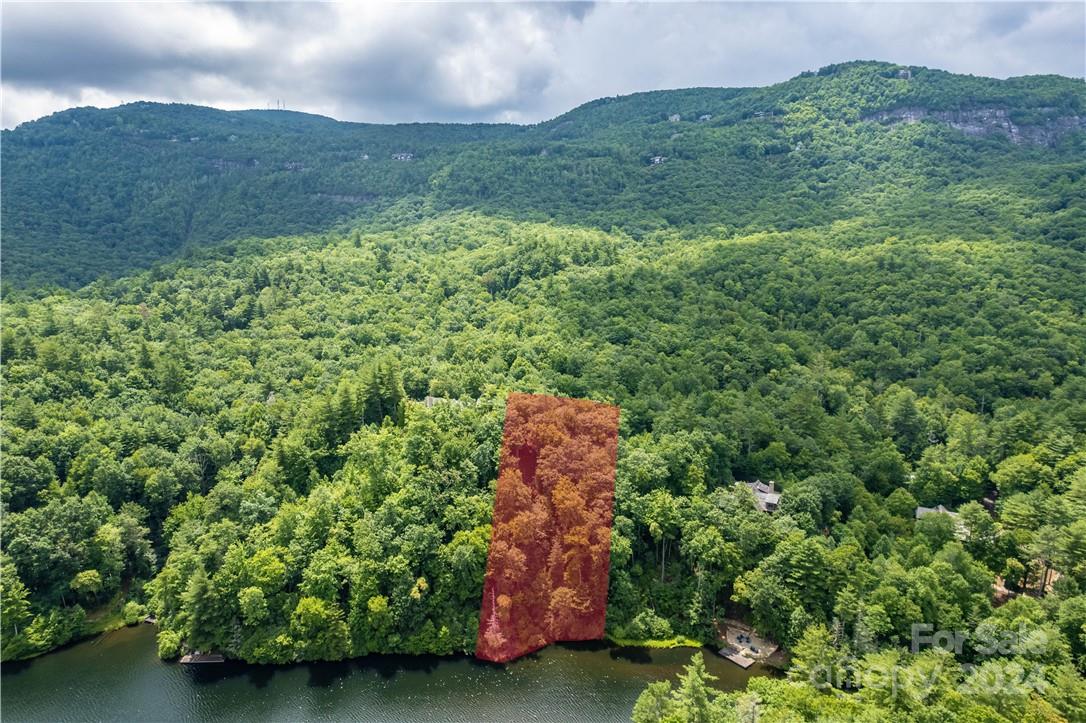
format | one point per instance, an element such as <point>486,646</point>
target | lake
<point>118,676</point>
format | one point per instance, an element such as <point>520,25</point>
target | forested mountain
<point>102,192</point>
<point>866,284</point>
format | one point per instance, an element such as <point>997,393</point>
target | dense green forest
<point>874,314</point>
<point>92,192</point>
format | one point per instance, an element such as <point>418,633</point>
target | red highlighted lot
<point>550,545</point>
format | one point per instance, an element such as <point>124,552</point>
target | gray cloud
<point>65,46</point>
<point>487,62</point>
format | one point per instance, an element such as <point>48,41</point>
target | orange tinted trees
<point>547,569</point>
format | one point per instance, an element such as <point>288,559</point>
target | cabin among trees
<point>960,530</point>
<point>765,494</point>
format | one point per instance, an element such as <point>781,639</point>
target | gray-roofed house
<point>765,494</point>
<point>959,527</point>
<point>429,402</point>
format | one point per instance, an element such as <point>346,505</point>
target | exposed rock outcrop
<point>1047,131</point>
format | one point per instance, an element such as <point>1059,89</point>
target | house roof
<point>764,493</point>
<point>922,511</point>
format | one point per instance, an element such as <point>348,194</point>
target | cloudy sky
<point>505,62</point>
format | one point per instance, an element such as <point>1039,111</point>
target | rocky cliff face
<point>1047,130</point>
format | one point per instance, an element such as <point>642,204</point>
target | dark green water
<point>119,677</point>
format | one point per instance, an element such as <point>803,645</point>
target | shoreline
<point>678,641</point>
<point>109,624</point>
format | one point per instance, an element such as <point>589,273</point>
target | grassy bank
<point>108,616</point>
<point>678,641</point>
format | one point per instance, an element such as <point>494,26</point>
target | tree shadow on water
<point>13,667</point>
<point>385,666</point>
<point>629,653</point>
<point>632,654</point>
<point>326,674</point>
<point>209,674</point>
<point>590,646</point>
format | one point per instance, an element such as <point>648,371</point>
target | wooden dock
<point>742,645</point>
<point>736,657</point>
<point>199,658</point>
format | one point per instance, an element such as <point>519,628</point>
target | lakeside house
<point>429,402</point>
<point>765,494</point>
<point>922,511</point>
<point>959,527</point>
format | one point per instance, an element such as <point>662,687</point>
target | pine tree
<point>390,390</point>
<point>14,605</point>
<point>654,704</point>
<point>372,407</point>
<point>692,696</point>
<point>145,360</point>
<point>344,411</point>
<point>199,603</point>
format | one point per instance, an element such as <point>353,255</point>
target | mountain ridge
<point>595,102</point>
<point>93,192</point>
